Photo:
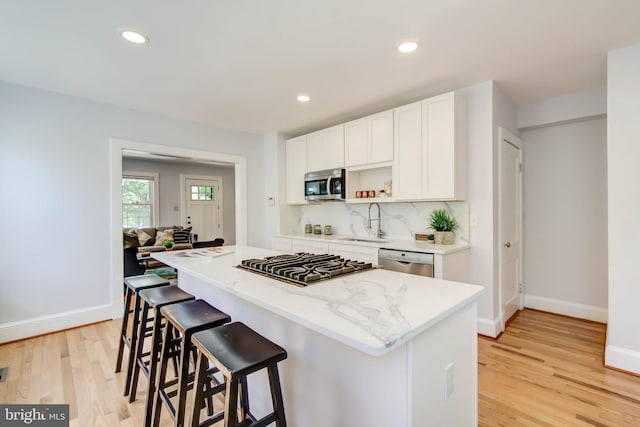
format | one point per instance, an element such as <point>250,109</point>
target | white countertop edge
<point>405,245</point>
<point>373,350</point>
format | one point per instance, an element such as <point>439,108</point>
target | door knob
<point>507,245</point>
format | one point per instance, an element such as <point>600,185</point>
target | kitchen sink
<point>362,239</point>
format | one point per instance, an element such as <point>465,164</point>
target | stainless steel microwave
<point>325,185</point>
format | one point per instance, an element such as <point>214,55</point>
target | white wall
<point>480,199</point>
<point>54,193</point>
<point>169,186</point>
<point>563,109</point>
<point>623,170</point>
<point>565,219</point>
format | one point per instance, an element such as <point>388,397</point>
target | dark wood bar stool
<point>133,285</point>
<point>147,362</point>
<point>236,351</point>
<point>184,320</point>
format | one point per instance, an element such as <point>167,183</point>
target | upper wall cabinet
<point>369,140</point>
<point>296,168</point>
<point>325,149</point>
<point>431,149</point>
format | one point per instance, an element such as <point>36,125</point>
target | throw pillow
<point>182,236</point>
<point>164,236</point>
<point>143,237</point>
<point>130,239</point>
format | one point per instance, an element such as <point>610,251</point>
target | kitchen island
<point>371,348</point>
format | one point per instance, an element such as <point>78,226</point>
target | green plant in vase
<point>444,226</point>
<point>168,244</point>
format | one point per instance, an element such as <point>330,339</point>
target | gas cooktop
<point>303,269</point>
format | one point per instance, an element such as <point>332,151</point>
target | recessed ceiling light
<point>304,98</point>
<point>408,47</point>
<point>134,37</point>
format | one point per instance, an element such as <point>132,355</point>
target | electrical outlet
<point>448,381</point>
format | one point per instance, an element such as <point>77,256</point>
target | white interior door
<point>510,224</point>
<point>203,207</point>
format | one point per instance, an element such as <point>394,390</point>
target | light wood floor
<point>75,367</point>
<point>545,370</point>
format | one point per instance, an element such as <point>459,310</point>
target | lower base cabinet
<point>309,246</point>
<point>452,266</point>
<point>281,244</point>
<point>354,252</point>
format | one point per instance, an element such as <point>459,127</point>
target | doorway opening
<point>509,225</point>
<point>117,149</point>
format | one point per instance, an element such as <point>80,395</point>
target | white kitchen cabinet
<point>369,139</point>
<point>311,246</point>
<point>453,266</point>
<point>430,149</point>
<point>296,168</point>
<point>354,252</point>
<point>281,244</point>
<point>407,168</point>
<point>325,149</point>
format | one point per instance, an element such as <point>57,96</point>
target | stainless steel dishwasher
<point>418,263</point>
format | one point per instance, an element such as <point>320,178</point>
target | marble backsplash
<point>399,220</point>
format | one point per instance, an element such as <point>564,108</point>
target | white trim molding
<point>489,327</point>
<point>621,358</point>
<point>54,322</point>
<point>566,308</point>
<point>115,167</point>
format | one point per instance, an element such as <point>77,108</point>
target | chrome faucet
<point>380,232</point>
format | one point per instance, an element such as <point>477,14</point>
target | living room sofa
<point>150,239</point>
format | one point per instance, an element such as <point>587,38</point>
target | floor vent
<point>3,374</point>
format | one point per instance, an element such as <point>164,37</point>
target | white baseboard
<point>566,308</point>
<point>488,327</point>
<point>54,322</point>
<point>621,358</point>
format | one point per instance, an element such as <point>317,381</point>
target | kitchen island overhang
<point>364,349</point>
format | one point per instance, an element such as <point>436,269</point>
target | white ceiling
<point>240,63</point>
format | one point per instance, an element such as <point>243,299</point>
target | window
<point>138,201</point>
<point>201,192</point>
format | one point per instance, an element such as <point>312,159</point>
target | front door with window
<point>203,207</point>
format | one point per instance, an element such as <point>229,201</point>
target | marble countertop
<point>405,245</point>
<point>373,311</point>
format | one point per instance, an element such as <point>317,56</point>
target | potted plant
<point>168,245</point>
<point>444,226</point>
